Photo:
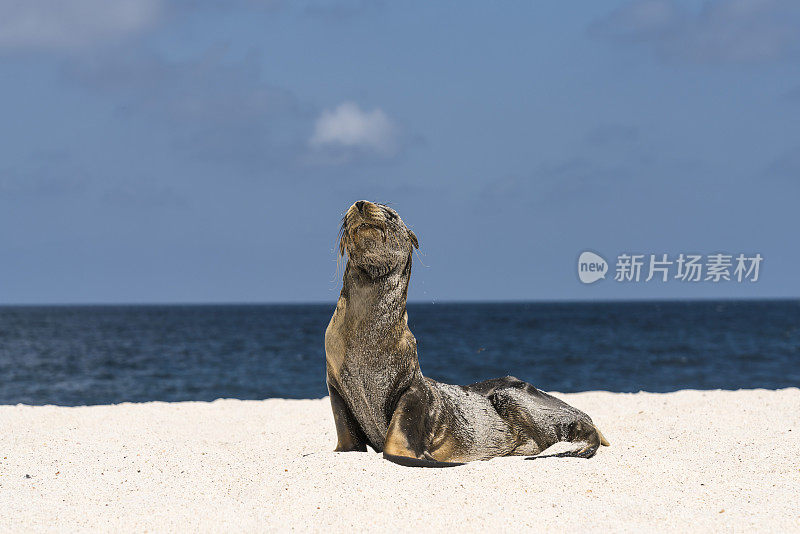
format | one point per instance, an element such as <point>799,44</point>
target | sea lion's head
<point>375,238</point>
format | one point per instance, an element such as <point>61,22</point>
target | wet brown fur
<point>378,394</point>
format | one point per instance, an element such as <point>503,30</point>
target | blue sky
<point>205,151</point>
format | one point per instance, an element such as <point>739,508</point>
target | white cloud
<point>349,127</point>
<point>72,23</point>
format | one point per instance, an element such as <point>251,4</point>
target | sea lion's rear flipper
<point>582,441</point>
<point>603,441</point>
<point>541,420</point>
<point>569,449</point>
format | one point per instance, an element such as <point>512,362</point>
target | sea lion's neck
<point>371,354</point>
<point>377,305</point>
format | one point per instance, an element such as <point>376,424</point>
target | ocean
<point>84,355</point>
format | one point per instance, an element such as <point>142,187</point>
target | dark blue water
<point>100,355</point>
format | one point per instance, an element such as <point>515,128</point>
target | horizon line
<point>414,301</point>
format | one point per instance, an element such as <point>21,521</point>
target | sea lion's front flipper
<point>409,436</point>
<point>349,435</point>
<point>418,462</point>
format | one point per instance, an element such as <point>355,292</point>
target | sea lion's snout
<point>374,236</point>
<point>365,222</point>
<point>365,212</point>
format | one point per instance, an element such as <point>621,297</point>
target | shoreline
<point>692,459</point>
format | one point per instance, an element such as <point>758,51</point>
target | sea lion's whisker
<point>419,257</point>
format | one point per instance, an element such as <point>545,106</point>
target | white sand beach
<point>689,460</point>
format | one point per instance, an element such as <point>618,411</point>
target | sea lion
<point>378,394</point>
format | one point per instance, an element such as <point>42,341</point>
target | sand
<point>689,460</point>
